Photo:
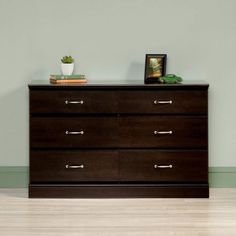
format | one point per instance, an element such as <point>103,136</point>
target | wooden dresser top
<point>119,85</point>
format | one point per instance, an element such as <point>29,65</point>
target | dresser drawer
<point>163,131</point>
<point>163,102</point>
<point>73,166</point>
<point>164,166</point>
<point>73,132</point>
<point>73,101</point>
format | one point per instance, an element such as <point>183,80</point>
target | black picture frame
<point>152,74</point>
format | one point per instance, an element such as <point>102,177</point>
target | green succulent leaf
<point>67,60</point>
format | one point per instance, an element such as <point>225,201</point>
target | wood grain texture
<point>121,190</point>
<point>187,131</point>
<point>55,102</point>
<point>20,216</point>
<point>103,101</point>
<point>50,132</point>
<point>187,166</point>
<point>186,85</point>
<point>194,102</point>
<point>50,166</point>
<point>116,118</point>
<point>123,131</point>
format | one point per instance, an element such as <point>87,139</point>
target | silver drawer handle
<point>74,167</point>
<point>74,132</point>
<point>74,102</point>
<point>162,102</point>
<point>163,166</point>
<point>163,132</point>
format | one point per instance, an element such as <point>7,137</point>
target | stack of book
<point>67,79</point>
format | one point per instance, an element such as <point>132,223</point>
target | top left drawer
<point>42,101</point>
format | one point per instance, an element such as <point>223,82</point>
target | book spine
<point>62,77</point>
<point>53,81</point>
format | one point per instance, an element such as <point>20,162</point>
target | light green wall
<point>14,176</point>
<point>109,39</point>
<point>17,177</point>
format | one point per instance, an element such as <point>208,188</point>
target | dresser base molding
<point>119,191</point>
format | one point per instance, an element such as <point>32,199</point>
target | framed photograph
<point>155,67</point>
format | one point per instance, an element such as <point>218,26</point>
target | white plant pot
<point>67,69</point>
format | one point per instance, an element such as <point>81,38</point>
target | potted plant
<point>67,65</point>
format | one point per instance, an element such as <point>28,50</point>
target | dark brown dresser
<point>118,140</point>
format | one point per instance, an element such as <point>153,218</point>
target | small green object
<point>170,79</point>
<point>67,60</point>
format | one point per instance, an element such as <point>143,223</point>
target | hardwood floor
<point>22,216</point>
